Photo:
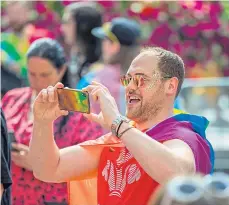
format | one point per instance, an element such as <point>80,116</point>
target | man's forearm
<point>44,153</point>
<point>155,158</point>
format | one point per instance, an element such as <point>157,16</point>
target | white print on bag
<point>130,175</point>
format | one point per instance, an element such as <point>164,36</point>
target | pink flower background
<point>188,28</point>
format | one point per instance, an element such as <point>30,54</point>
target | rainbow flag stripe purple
<point>190,129</point>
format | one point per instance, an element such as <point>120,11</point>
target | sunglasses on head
<point>138,80</point>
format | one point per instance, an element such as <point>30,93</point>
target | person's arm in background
<point>12,102</point>
<point>6,180</point>
<point>48,162</point>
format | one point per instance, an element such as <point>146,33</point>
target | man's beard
<point>145,112</point>
<point>148,110</point>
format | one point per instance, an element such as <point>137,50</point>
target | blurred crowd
<point>46,42</point>
<point>182,27</point>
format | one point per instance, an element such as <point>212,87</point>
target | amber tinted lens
<point>138,80</point>
<point>135,80</point>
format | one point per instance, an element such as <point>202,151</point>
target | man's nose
<point>130,89</point>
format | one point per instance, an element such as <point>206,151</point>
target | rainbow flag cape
<point>83,190</point>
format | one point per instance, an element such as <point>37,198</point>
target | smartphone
<point>73,100</point>
<point>12,140</point>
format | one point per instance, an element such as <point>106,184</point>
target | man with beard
<point>153,147</point>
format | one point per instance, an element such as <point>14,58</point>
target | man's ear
<point>171,86</point>
<point>116,47</point>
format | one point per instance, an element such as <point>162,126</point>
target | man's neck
<point>161,116</point>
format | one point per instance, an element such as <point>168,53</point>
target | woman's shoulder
<point>97,66</point>
<point>16,94</point>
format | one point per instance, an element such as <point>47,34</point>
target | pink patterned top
<point>68,131</point>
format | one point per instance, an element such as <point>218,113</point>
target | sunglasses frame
<point>138,79</point>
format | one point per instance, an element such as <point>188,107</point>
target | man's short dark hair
<point>170,64</point>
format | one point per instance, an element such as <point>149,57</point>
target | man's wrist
<point>43,123</point>
<point>117,123</point>
<point>123,127</point>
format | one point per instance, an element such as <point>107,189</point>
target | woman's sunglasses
<point>138,80</point>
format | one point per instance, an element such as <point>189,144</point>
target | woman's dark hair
<point>52,51</point>
<point>86,17</point>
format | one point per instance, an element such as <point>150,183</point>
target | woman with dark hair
<point>78,21</point>
<point>46,64</point>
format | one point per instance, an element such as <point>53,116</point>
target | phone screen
<point>12,137</point>
<point>73,100</point>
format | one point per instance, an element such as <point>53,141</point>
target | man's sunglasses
<point>138,80</point>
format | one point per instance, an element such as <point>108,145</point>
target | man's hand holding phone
<point>56,101</point>
<point>109,109</point>
<point>46,106</point>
